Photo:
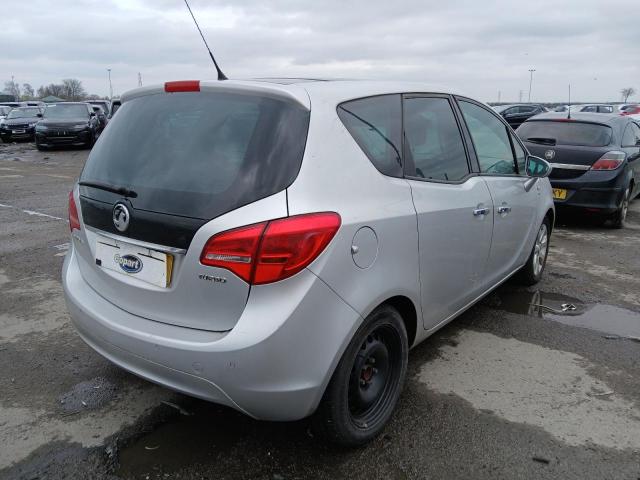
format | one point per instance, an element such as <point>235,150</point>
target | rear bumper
<point>273,365</point>
<point>596,190</point>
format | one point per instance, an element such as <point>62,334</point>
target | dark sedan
<point>69,123</point>
<point>595,159</point>
<point>515,115</point>
<point>19,124</point>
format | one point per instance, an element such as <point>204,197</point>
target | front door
<point>454,208</point>
<point>502,162</point>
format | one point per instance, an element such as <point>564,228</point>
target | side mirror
<point>537,167</point>
<point>93,114</point>
<point>39,115</point>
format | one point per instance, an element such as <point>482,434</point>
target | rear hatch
<point>566,142</point>
<point>169,164</point>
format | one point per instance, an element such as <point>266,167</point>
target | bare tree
<point>27,92</point>
<point>627,92</point>
<point>53,89</point>
<point>73,89</point>
<point>12,88</point>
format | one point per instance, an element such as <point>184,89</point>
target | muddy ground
<point>513,389</point>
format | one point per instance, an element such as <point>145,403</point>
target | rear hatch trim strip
<point>139,243</point>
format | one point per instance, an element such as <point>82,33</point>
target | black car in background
<point>102,117</point>
<point>115,105</point>
<point>19,124</point>
<point>104,104</point>
<point>68,123</point>
<point>595,159</point>
<point>515,115</point>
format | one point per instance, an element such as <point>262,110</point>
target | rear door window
<point>433,144</point>
<point>200,155</point>
<point>375,124</point>
<point>490,138</point>
<point>550,132</point>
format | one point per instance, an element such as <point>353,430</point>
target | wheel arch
<point>551,215</point>
<point>407,310</point>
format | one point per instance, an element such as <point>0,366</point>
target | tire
<point>618,219</point>
<point>532,271</point>
<point>360,398</point>
<point>91,141</point>
<point>40,147</point>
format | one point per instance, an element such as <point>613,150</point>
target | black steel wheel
<point>367,382</point>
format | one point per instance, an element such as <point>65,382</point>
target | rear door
<point>515,197</point>
<point>171,170</point>
<point>454,209</point>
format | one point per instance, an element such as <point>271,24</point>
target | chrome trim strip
<point>140,243</point>
<point>570,166</point>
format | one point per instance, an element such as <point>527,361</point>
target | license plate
<point>145,264</point>
<point>17,131</point>
<point>559,194</point>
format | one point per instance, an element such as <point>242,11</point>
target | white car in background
<point>4,111</point>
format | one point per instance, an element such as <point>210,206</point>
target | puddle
<point>604,318</point>
<point>202,433</point>
<point>87,395</point>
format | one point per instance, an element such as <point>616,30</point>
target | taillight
<point>271,251</point>
<point>182,86</point>
<point>234,250</point>
<point>609,161</point>
<point>74,219</point>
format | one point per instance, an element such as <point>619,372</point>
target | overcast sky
<point>477,46</point>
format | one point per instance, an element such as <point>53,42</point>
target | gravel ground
<point>509,390</point>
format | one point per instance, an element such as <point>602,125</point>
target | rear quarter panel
<point>337,176</point>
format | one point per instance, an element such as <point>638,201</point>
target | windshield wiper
<point>543,141</point>
<point>110,188</point>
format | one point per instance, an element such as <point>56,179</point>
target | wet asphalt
<point>531,383</point>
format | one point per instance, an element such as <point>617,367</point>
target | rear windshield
<point>565,133</point>
<point>200,154</point>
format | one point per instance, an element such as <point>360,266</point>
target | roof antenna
<point>568,107</point>
<point>221,76</point>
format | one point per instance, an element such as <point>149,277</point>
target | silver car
<point>278,246</point>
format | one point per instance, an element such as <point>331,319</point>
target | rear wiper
<point>543,141</point>
<point>110,188</point>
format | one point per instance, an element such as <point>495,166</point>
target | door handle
<point>504,209</point>
<point>481,211</point>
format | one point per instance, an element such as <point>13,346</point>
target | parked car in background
<point>631,110</point>
<point>626,106</point>
<point>218,230</point>
<point>516,114</point>
<point>595,159</point>
<point>102,117</point>
<point>115,105</point>
<point>4,110</point>
<point>35,103</point>
<point>19,124</point>
<point>12,104</point>
<point>68,123</point>
<point>104,104</point>
<point>597,108</point>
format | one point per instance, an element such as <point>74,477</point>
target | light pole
<point>531,70</point>
<point>110,86</point>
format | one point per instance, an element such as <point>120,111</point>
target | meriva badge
<point>128,263</point>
